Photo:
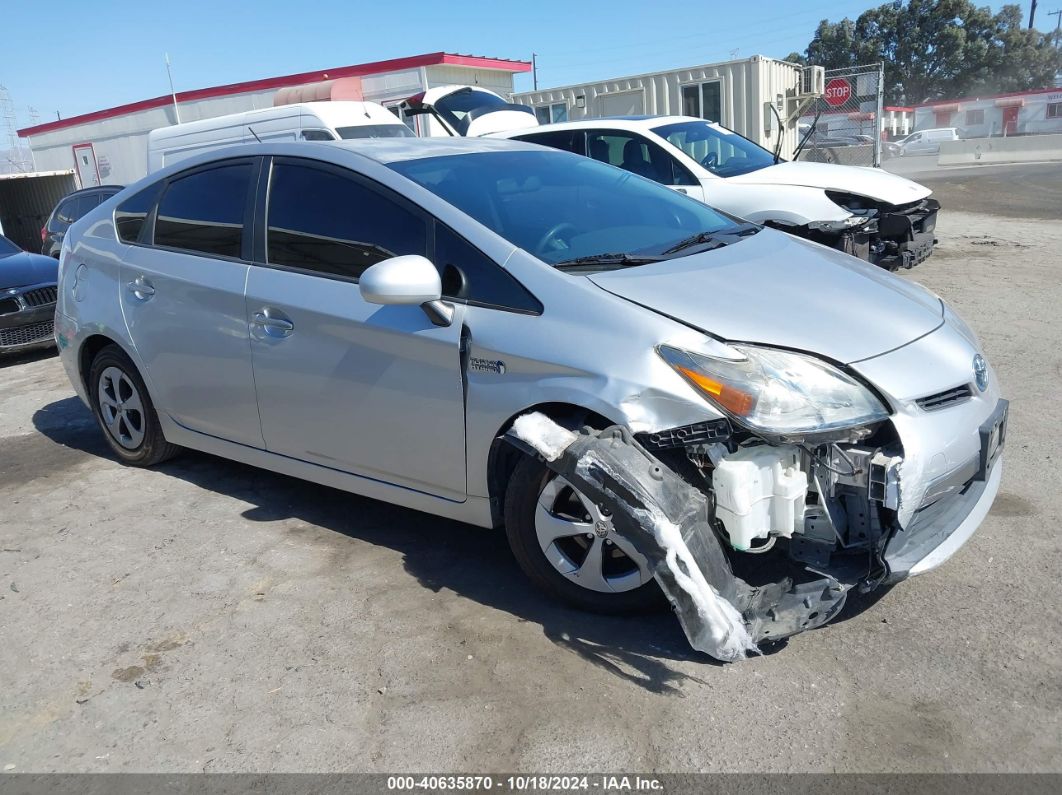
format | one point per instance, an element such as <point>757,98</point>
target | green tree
<point>940,48</point>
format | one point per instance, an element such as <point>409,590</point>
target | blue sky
<point>82,56</point>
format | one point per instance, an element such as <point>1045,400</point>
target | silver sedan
<point>504,334</point>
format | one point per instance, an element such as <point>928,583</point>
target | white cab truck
<point>303,121</point>
<point>872,214</point>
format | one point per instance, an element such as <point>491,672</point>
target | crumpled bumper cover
<point>666,520</point>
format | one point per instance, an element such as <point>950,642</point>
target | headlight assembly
<point>778,392</point>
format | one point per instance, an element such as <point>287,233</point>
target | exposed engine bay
<point>892,236</point>
<point>706,500</point>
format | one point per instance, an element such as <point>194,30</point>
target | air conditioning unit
<point>812,81</point>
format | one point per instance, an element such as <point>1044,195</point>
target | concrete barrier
<point>843,155</point>
<point>1019,149</point>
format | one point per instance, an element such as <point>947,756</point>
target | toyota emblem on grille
<point>980,368</point>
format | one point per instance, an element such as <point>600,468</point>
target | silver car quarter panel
<point>373,390</point>
<point>187,319</point>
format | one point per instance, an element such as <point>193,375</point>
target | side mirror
<point>407,280</point>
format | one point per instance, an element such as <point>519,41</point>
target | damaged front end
<point>707,502</point>
<point>892,236</point>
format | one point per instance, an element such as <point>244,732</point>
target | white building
<point>110,146</point>
<point>1019,113</point>
<point>737,94</point>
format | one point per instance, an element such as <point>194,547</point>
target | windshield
<point>562,207</point>
<point>7,248</point>
<point>721,151</point>
<point>375,131</point>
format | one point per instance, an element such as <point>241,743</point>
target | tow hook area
<point>667,520</point>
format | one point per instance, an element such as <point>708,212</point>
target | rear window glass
<point>204,211</point>
<point>130,215</point>
<point>375,131</point>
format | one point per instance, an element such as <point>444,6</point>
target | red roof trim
<point>989,96</point>
<point>898,108</point>
<point>358,70</point>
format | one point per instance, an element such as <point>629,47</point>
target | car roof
<point>392,150</point>
<point>633,123</point>
<point>94,189</point>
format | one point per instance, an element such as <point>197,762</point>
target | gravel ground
<point>206,616</point>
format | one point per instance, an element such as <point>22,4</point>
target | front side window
<point>1054,110</point>
<point>204,211</point>
<point>561,207</point>
<point>467,273</point>
<point>636,154</point>
<point>975,117</point>
<point>323,221</point>
<point>317,135</point>
<point>721,151</point>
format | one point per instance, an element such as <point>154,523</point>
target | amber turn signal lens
<point>733,400</point>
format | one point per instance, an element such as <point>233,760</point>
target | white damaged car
<point>866,212</point>
<point>877,216</point>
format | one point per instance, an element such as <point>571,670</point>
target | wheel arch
<point>503,457</point>
<point>90,349</point>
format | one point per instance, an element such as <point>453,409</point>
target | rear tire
<point>124,410</point>
<point>527,487</point>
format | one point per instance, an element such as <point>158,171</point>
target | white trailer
<point>748,96</point>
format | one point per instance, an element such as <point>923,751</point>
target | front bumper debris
<point>667,521</point>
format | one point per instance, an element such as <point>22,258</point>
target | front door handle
<point>141,288</point>
<point>273,324</point>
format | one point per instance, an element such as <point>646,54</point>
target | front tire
<point>124,410</point>
<point>566,546</point>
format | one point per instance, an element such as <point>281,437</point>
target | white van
<point>303,121</point>
<point>927,142</point>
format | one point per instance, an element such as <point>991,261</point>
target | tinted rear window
<point>204,211</point>
<point>130,215</point>
<point>375,131</point>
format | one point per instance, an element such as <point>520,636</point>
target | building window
<point>552,114</point>
<point>703,100</point>
<point>1054,110</point>
<point>975,117</point>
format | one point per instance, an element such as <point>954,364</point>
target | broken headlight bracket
<point>667,521</point>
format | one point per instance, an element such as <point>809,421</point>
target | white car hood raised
<point>774,289</point>
<point>871,182</point>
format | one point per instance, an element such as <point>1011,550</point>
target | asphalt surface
<point>1013,190</point>
<point>206,616</point>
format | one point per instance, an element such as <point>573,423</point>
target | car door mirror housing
<point>409,279</point>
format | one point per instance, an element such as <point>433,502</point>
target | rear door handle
<point>141,288</point>
<point>277,326</point>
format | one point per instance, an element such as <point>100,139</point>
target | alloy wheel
<point>121,408</point>
<point>579,541</point>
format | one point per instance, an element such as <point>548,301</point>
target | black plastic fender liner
<point>667,520</point>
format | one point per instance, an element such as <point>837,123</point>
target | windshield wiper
<point>719,239</point>
<point>606,259</point>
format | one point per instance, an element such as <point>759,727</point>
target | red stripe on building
<point>357,70</point>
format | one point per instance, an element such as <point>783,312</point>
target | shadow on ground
<point>441,554</point>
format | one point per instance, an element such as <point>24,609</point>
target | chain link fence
<point>844,124</point>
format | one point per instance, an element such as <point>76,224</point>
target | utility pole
<point>176,110</point>
<point>1032,14</point>
<point>1058,26</point>
<point>534,70</point>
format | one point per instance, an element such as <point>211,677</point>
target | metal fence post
<point>879,116</point>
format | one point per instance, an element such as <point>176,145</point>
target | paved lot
<point>208,616</point>
<point>1012,190</point>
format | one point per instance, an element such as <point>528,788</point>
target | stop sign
<point>838,91</point>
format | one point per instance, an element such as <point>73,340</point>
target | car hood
<point>871,182</point>
<point>20,270</point>
<point>774,289</point>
